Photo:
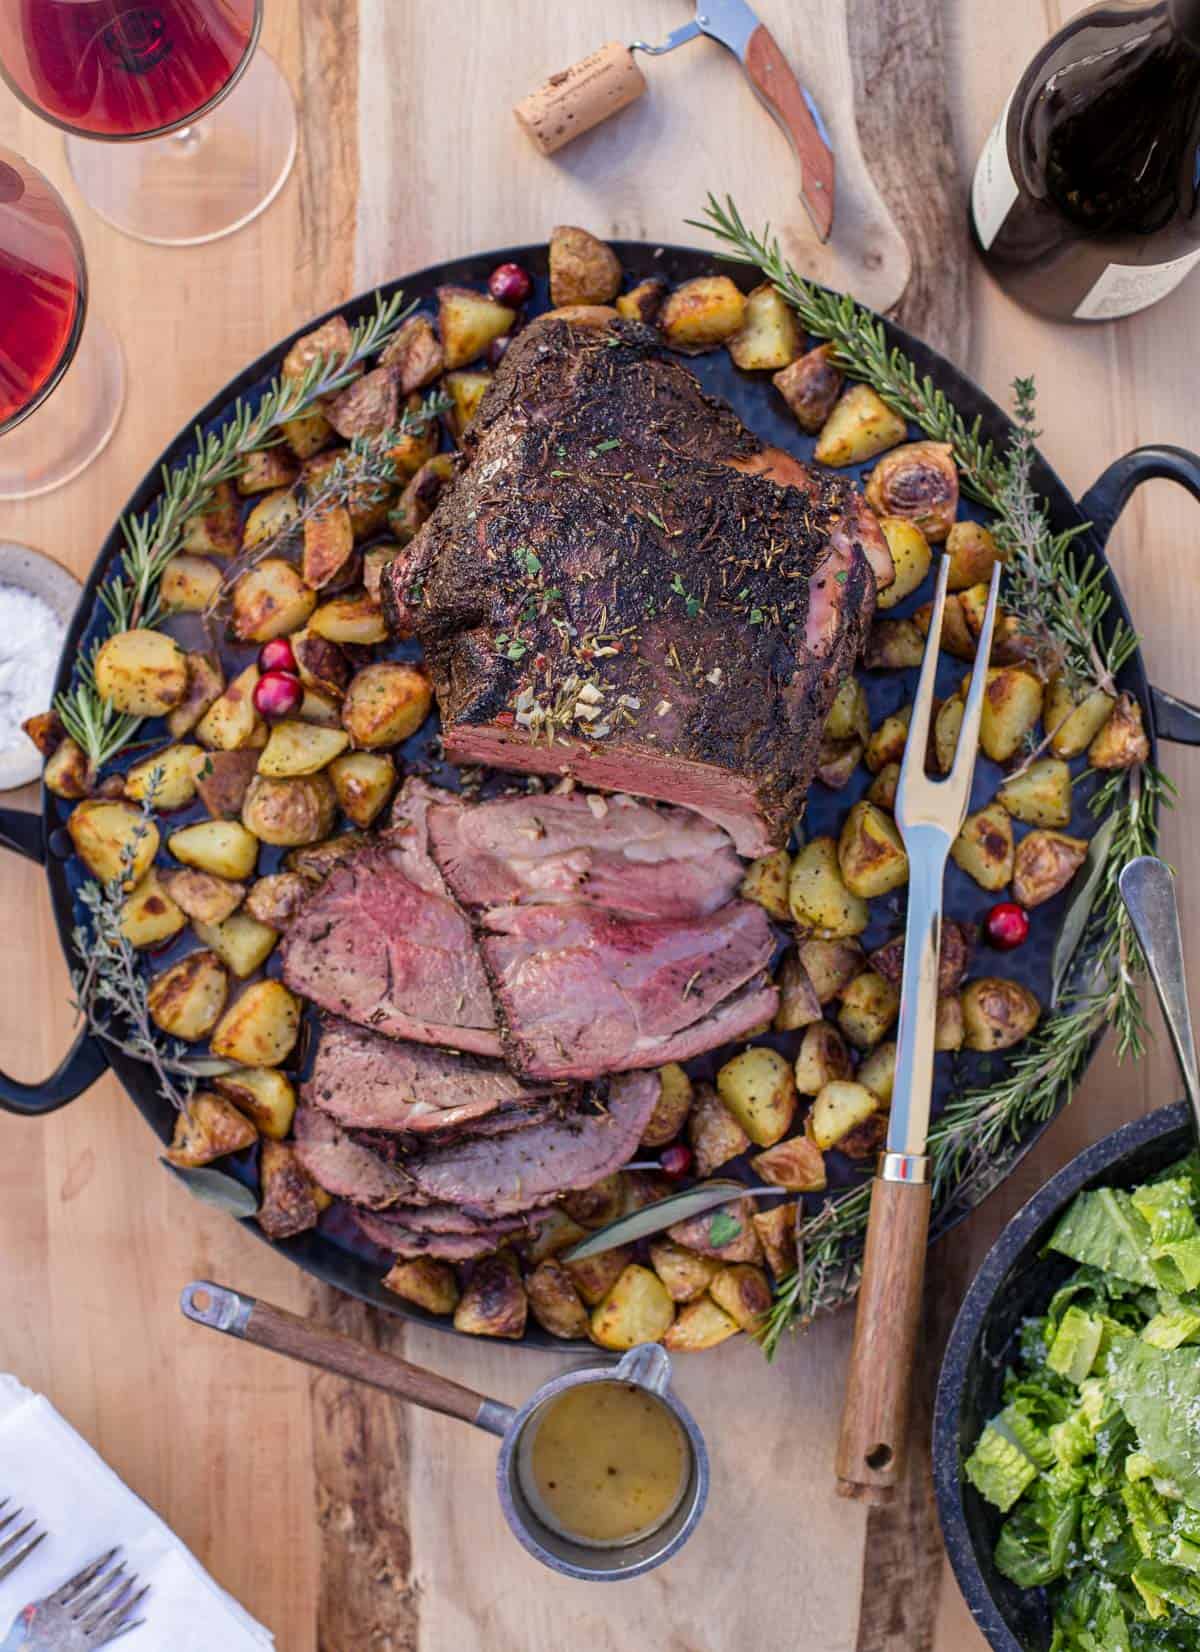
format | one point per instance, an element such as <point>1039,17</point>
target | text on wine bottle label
<point>1125,288</point>
<point>994,190</point>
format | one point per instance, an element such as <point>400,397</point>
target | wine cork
<point>580,97</point>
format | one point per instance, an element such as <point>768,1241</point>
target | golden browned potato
<point>859,426</point>
<point>810,386</point>
<point>637,1309</point>
<point>727,1233</point>
<point>642,1188</point>
<point>1040,795</point>
<point>170,774</point>
<point>276,899</point>
<point>229,722</point>
<point>67,773</point>
<point>320,663</point>
<point>766,881</point>
<point>186,1000</point>
<point>261,1027</point>
<point>240,942</point>
<point>769,336</point>
<point>141,672</point>
<point>323,709</point>
<point>1012,704</point>
<point>426,1282</point>
<point>307,433</point>
<point>713,1132</point>
<point>468,322</point>
<point>214,530</point>
<point>917,481</point>
<point>290,1200</point>
<point>672,1107</point>
<point>1122,741</point>
<point>317,860</point>
<point>643,302</point>
<point>820,902</point>
<point>882,790</point>
<point>1074,718</point>
<point>888,959</point>
<point>831,965</point>
<point>300,748</point>
<point>837,761</point>
<point>796,1164</point>
<point>466,390</point>
<point>208,1129</point>
<point>203,896</point>
<point>742,1291</point>
<point>270,600</point>
<point>870,854</point>
<point>350,618</point>
<point>946,728</point>
<point>911,558</point>
<point>363,781</point>
<point>368,502</point>
<point>205,680</point>
<point>291,812</point>
<point>190,583</point>
<point>956,637</point>
<point>869,1006</point>
<point>577,315</point>
<point>223,847</point>
<point>984,847</point>
<point>997,1013</point>
<point>685,1274</point>
<point>414,354</point>
<point>329,343</point>
<point>799,1005</point>
<point>386,702</point>
<point>1046,862</point>
<point>702,313</point>
<point>367,407</point>
<point>268,468</point>
<point>222,778</point>
<point>758,1088</point>
<point>949,1032</point>
<point>493,1303</point>
<point>328,545</point>
<point>555,1232</point>
<point>595,1276</point>
<point>149,916</point>
<point>554,1302</point>
<point>1009,647</point>
<point>776,1228</point>
<point>878,1072</point>
<point>596,1206</point>
<point>973,553</point>
<point>888,741</point>
<point>583,269</point>
<point>702,1324</point>
<point>823,1057</point>
<point>416,505</point>
<point>111,838</point>
<point>265,1095</point>
<point>848,714</point>
<point>840,1107</point>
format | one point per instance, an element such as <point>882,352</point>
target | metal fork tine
<point>98,1598</point>
<point>10,1566</point>
<point>963,768</point>
<point>922,705</point>
<point>9,1518</point>
<point>115,1619</point>
<point>75,1585</point>
<point>16,1537</point>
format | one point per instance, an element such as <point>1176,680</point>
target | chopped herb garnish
<point>723,1229</point>
<point>657,520</point>
<point>841,576</point>
<point>607,446</point>
<point>757,616</point>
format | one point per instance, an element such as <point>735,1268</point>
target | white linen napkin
<point>49,1470</point>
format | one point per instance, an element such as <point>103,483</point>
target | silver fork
<point>93,1608</point>
<point>13,1545</point>
<point>929,814</point>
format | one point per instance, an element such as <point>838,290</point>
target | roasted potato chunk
<point>113,838</point>
<point>759,1090</point>
<point>141,672</point>
<point>769,336</point>
<point>948,1031</point>
<point>878,1072</point>
<point>1012,704</point>
<point>823,1057</point>
<point>67,773</point>
<point>367,407</point>
<point>169,775</point>
<point>840,1107</point>
<point>997,1013</point>
<point>189,583</point>
<point>766,881</point>
<point>363,781</point>
<point>984,847</point>
<point>386,702</point>
<point>418,501</point>
<point>328,545</point>
<point>222,778</point>
<point>268,468</point>
<point>859,426</point>
<point>260,1028</point>
<point>290,812</point>
<point>431,1285</point>
<point>269,600</point>
<point>888,741</point>
<point>202,896</point>
<point>1073,719</point>
<point>276,899</point>
<point>351,618</point>
<point>643,302</point>
<point>636,1309</point>
<point>672,1107</point>
<point>953,956</point>
<point>796,1164</point>
<point>291,1200</point>
<point>1121,742</point>
<point>493,1303</point>
<point>869,1006</point>
<point>317,860</point>
<point>894,645</point>
<point>307,433</point>
<point>466,391</point>
<point>973,553</point>
<point>702,1324</point>
<point>148,915</point>
<point>1040,795</point>
<point>300,748</point>
<point>685,1275</point>
<point>468,322</point>
<point>223,847</point>
<point>213,531</point>
<point>810,386</point>
<point>727,1233</point>
<point>595,1276</point>
<point>799,1005</point>
<point>414,355</point>
<point>776,1229</point>
<point>596,1206</point>
<point>848,715</point>
<point>320,663</point>
<point>1046,861</point>
<point>583,269</point>
<point>554,1301</point>
<point>742,1291</point>
<point>917,481</point>
<point>831,965</point>
<point>240,942</point>
<point>820,902</point>
<point>956,637</point>
<point>186,1000</point>
<point>325,710</point>
<point>229,723</point>
<point>270,517</point>
<point>702,313</point>
<point>555,1232</point>
<point>208,1129</point>
<point>870,854</point>
<point>882,790</point>
<point>911,558</point>
<point>837,761</point>
<point>713,1131</point>
<point>946,726</point>
<point>265,1095</point>
<point>205,681</point>
<point>329,343</point>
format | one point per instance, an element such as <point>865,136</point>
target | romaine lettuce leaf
<point>1035,1541</point>
<point>1159,1391</point>
<point>1105,1229</point>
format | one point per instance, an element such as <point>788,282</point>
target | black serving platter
<point>331,1253</point>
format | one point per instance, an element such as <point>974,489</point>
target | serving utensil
<point>929,815</point>
<point>600,85</point>
<point>93,1608</point>
<point>1147,887</point>
<point>648,1366</point>
<point>16,1546</point>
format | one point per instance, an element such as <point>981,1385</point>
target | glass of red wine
<point>179,160</point>
<point>44,346</point>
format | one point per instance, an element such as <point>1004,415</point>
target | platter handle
<point>1102,504</point>
<point>84,1062</point>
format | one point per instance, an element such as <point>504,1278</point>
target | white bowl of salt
<point>37,598</point>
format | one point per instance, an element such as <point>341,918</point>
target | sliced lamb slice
<point>582,992</point>
<point>449,1219</point>
<point>344,1168</point>
<point>613,852</point>
<point>412,1242</point>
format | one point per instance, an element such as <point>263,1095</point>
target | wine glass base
<point>73,425</point>
<point>204,181</point>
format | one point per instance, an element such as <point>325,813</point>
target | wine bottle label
<point>1123,289</point>
<point>994,190</point>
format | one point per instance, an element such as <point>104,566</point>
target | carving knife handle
<point>773,80</point>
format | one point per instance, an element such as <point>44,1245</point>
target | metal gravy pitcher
<point>647,1366</point>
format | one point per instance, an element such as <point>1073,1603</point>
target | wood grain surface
<point>340,1519</point>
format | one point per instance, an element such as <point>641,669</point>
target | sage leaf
<point>664,1213</point>
<point>1079,908</point>
<point>214,1187</point>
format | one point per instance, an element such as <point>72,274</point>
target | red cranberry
<point>1006,925</point>
<point>277,694</point>
<point>277,655</point>
<point>497,348</point>
<point>676,1161</point>
<point>509,284</point>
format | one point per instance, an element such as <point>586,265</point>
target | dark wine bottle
<point>1084,201</point>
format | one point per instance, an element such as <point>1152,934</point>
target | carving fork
<point>929,815</point>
